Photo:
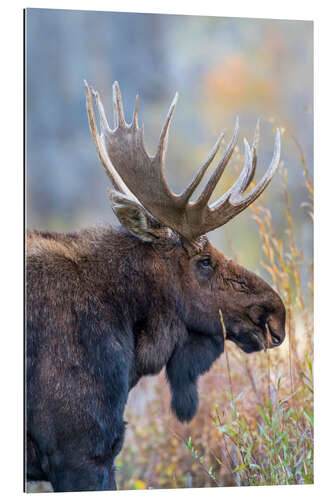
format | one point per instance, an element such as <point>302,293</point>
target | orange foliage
<point>236,80</point>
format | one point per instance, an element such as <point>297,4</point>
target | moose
<point>106,306</point>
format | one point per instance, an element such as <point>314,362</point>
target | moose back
<point>108,306</point>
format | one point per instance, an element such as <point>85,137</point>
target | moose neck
<point>132,280</point>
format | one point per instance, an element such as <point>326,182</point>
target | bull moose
<point>107,306</point>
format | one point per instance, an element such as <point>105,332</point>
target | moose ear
<point>135,218</point>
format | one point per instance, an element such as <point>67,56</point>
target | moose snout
<point>275,337</point>
<point>275,324</point>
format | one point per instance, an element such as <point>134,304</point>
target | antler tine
<point>254,153</point>
<point>113,175</point>
<point>240,183</point>
<point>259,188</point>
<point>103,120</point>
<point>216,175</point>
<point>248,169</point>
<point>135,124</point>
<point>118,107</point>
<point>163,142</point>
<point>187,193</point>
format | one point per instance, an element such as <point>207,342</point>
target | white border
<point>11,233</point>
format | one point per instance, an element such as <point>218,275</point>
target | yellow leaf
<point>139,485</point>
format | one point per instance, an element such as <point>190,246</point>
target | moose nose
<point>275,339</point>
<point>276,324</point>
<point>276,330</point>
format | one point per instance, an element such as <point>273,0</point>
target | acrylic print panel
<point>202,344</point>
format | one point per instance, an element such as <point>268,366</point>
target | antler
<point>137,174</point>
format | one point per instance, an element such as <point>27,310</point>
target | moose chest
<point>155,340</point>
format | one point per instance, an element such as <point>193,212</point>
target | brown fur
<point>105,307</point>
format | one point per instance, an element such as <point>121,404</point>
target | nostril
<point>276,327</point>
<point>275,339</point>
<point>276,321</point>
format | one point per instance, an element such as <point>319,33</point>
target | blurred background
<point>222,68</point>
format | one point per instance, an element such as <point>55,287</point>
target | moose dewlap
<point>107,306</point>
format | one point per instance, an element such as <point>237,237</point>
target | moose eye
<point>206,262</point>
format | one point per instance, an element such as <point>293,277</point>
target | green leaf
<point>240,467</point>
<point>309,418</point>
<point>264,415</point>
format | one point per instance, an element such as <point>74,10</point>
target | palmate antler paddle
<point>134,172</point>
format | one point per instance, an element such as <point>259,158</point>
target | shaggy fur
<point>104,308</point>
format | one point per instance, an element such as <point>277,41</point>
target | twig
<point>253,384</point>
<point>226,353</point>
<point>195,456</point>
